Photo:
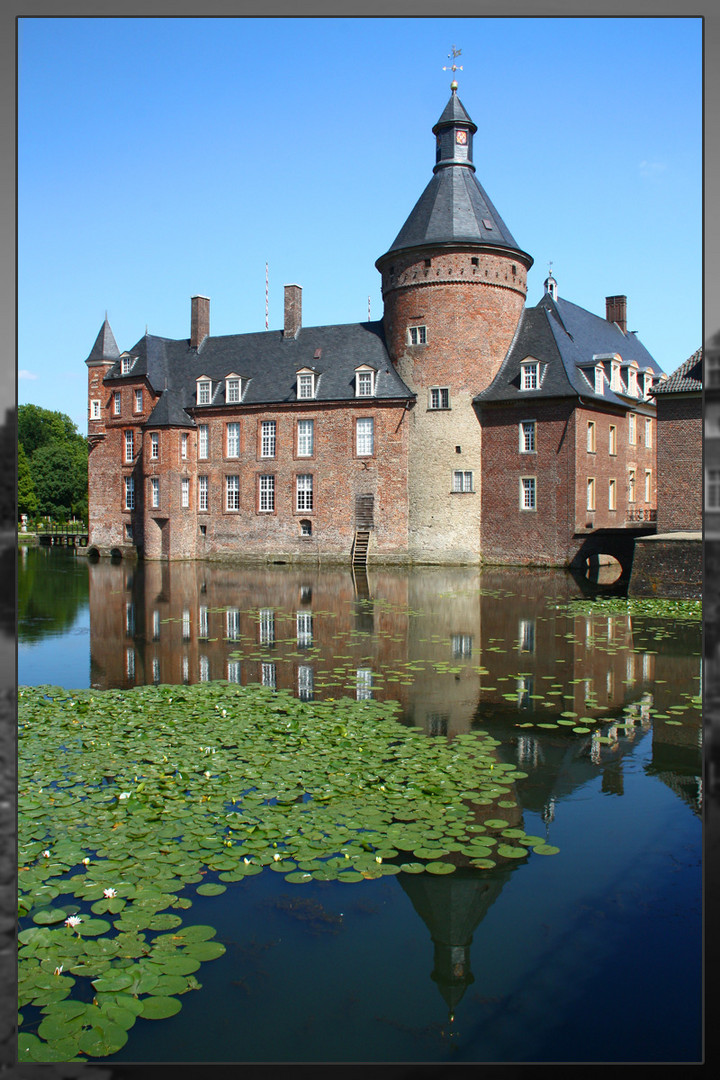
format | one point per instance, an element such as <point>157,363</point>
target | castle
<point>463,427</point>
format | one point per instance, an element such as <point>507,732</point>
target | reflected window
<point>186,624</point>
<point>130,663</point>
<point>233,671</point>
<point>156,625</point>
<point>204,669</point>
<point>524,690</point>
<point>203,622</point>
<point>437,723</point>
<point>268,675</point>
<point>363,689</point>
<point>232,624</point>
<point>305,682</point>
<point>130,619</point>
<point>185,669</point>
<point>156,669</point>
<point>267,626</point>
<point>304,628</point>
<point>461,645</point>
<point>526,635</point>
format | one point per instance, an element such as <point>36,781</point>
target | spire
<point>453,134</point>
<point>105,348</point>
<point>550,284</point>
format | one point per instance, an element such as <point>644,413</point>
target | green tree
<point>60,476</point>
<point>37,427</point>
<point>27,498</point>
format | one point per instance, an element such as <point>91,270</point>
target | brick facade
<point>680,457</point>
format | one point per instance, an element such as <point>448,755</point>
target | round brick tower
<point>454,284</point>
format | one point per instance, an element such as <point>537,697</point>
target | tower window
<point>439,397</point>
<point>417,335</point>
<point>475,261</point>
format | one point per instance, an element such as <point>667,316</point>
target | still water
<point>593,954</point>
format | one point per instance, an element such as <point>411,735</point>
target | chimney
<point>616,311</point>
<point>199,320</point>
<point>293,311</point>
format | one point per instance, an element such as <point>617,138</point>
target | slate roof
<point>688,378</point>
<point>564,338</point>
<point>454,113</point>
<point>105,347</point>
<point>268,361</point>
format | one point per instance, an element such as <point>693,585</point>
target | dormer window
<point>364,382</point>
<point>599,379</point>
<point>530,376</point>
<point>233,389</point>
<point>204,389</point>
<point>306,385</point>
<point>632,381</point>
<point>417,335</point>
<point>615,383</point>
<point>126,363</point>
<point>647,383</point>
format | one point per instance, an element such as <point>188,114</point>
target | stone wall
<point>667,567</point>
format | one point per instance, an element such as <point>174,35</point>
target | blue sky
<point>158,158</point>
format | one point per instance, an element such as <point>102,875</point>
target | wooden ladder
<point>360,548</point>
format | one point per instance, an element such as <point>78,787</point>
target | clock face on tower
<point>461,137</point>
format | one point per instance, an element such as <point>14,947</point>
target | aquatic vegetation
<point>128,799</point>
<point>686,610</point>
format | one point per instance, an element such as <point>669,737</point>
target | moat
<point>593,954</point>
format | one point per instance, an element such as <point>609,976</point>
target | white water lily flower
<point>246,861</point>
<point>124,795</point>
<point>277,857</point>
<point>46,853</point>
<point>207,775</point>
<point>73,920</point>
<point>378,858</point>
<point>86,862</point>
<point>107,893</point>
<point>58,970</point>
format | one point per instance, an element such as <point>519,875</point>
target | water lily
<point>58,970</point>
<point>73,920</point>
<point>124,795</point>
<point>378,858</point>
<point>108,893</point>
<point>46,853</point>
<point>86,861</point>
<point>247,861</point>
<point>277,857</point>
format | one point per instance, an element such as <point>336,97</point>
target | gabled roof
<point>688,378</point>
<point>105,347</point>
<point>268,361</point>
<point>565,338</point>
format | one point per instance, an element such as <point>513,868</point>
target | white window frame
<point>204,390</point>
<point>612,440</point>
<point>528,493</point>
<point>129,482</point>
<point>363,684</point>
<point>528,436</point>
<point>364,436</point>
<point>268,675</point>
<point>439,398</point>
<point>612,494</point>
<point>266,493</point>
<point>138,397</point>
<point>154,445</point>
<point>591,437</point>
<point>631,485</point>
<point>305,438</point>
<point>530,375</point>
<point>126,364</point>
<point>203,442</point>
<point>364,382</point>
<point>183,446</point>
<point>648,485</point>
<point>117,403</point>
<point>632,429</point>
<point>95,410</point>
<point>203,492</point>
<point>233,671</point>
<point>590,493</point>
<point>632,381</point>
<point>305,385</point>
<point>185,492</point>
<point>647,383</point>
<point>232,492</point>
<point>462,481</point>
<point>599,379</point>
<point>615,382</point>
<point>266,626</point>
<point>268,438</point>
<point>304,628</point>
<point>129,446</point>
<point>233,389</point>
<point>232,436</point>
<point>417,335</point>
<point>526,635</point>
<point>648,432</point>
<point>306,682</point>
<point>304,492</point>
<point>154,492</point>
<point>232,624</point>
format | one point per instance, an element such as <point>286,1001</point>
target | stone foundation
<point>668,566</point>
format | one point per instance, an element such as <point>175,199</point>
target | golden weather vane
<point>453,56</point>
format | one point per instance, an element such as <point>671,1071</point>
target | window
<point>591,437</point>
<point>204,669</point>
<point>186,624</point>
<point>203,391</point>
<point>648,485</point>
<point>631,428</point>
<point>130,663</point>
<point>232,492</point>
<point>232,624</point>
<point>267,626</point>
<point>185,491</point>
<point>129,492</point>
<point>305,527</point>
<point>599,380</point>
<point>304,628</point>
<point>129,445</point>
<point>526,635</point>
<point>233,391</point>
<point>527,437</point>
<point>267,494</point>
<point>202,441</point>
<point>156,625</point>
<point>648,432</point>
<point>615,383</point>
<point>268,675</point>
<point>202,492</point>
<point>439,397</point>
<point>612,495</point>
<point>125,365</point>
<point>117,399</point>
<point>632,381</point>
<point>306,385</point>
<point>233,440</point>
<point>305,682</point>
<point>233,671</point>
<point>461,645</point>
<point>647,383</point>
<point>305,438</point>
<point>203,622</point>
<point>267,438</point>
<point>128,531</point>
<point>417,335</point>
<point>612,439</point>
<point>95,413</point>
<point>364,383</point>
<point>462,481</point>
<point>304,492</point>
<point>631,485</point>
<point>591,493</point>
<point>154,492</point>
<point>183,446</point>
<point>712,489</point>
<point>528,493</point>
<point>154,445</point>
<point>129,618</point>
<point>364,436</point>
<point>363,684</point>
<point>138,401</point>
<point>529,376</point>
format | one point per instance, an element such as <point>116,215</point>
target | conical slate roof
<point>105,347</point>
<point>454,112</point>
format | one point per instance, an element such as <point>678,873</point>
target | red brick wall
<point>680,455</point>
<point>603,466</point>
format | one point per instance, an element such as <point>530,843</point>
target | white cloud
<point>651,168</point>
<point>22,374</point>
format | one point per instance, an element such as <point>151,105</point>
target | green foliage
<point>52,464</point>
